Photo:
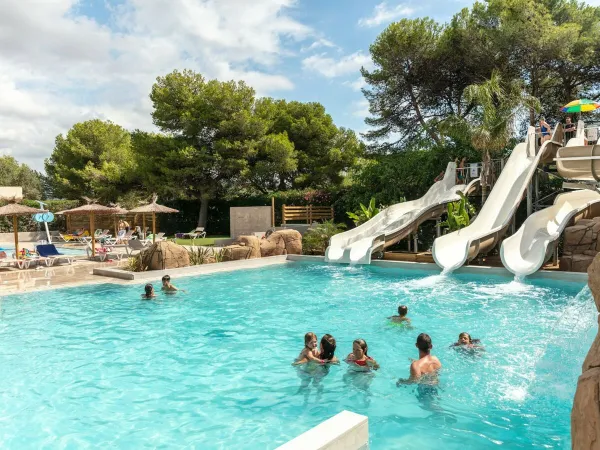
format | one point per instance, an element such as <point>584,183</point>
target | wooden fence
<point>310,213</point>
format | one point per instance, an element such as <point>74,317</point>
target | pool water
<point>98,367</point>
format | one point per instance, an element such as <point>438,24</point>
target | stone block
<point>164,255</point>
<point>565,263</point>
<point>580,263</point>
<point>273,245</point>
<point>585,415</point>
<point>292,240</point>
<point>590,252</point>
<point>594,280</point>
<point>578,235</point>
<point>253,243</point>
<point>236,252</point>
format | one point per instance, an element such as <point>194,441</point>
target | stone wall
<point>581,245</point>
<point>585,416</point>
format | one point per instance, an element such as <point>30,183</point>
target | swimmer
<point>465,341</point>
<point>149,292</point>
<point>328,349</point>
<point>426,364</point>
<point>401,317</point>
<point>359,355</point>
<point>309,352</point>
<point>167,286</point>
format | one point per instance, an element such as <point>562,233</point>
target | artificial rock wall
<point>585,416</point>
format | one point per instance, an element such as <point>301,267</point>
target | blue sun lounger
<point>50,251</point>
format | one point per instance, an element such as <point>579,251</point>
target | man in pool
<point>425,365</point>
<point>148,292</point>
<point>401,317</point>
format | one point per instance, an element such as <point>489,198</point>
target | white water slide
<point>532,245</point>
<point>453,250</point>
<point>396,222</point>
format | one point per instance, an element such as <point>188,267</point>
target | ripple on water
<point>95,366</point>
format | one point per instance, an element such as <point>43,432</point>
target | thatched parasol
<point>154,208</point>
<point>92,209</point>
<point>14,209</point>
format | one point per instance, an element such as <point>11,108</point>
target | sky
<point>66,61</point>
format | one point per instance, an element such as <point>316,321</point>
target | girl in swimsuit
<point>360,357</point>
<point>309,352</point>
<point>544,130</point>
<point>466,342</point>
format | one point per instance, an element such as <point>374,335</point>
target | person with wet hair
<point>426,363</point>
<point>360,355</point>
<point>466,342</point>
<point>401,317</point>
<point>327,348</point>
<point>148,292</point>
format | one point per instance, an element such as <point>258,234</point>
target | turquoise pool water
<point>97,367</point>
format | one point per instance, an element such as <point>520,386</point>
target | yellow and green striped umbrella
<point>581,105</point>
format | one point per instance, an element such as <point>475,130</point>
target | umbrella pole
<point>116,231</point>
<point>16,228</point>
<point>153,227</point>
<point>93,232</point>
<point>144,225</point>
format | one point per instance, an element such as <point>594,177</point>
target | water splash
<point>446,271</point>
<point>519,278</point>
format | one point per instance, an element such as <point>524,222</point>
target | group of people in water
<point>360,359</point>
<point>166,287</point>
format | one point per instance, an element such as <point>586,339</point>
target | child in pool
<point>465,341</point>
<point>327,348</point>
<point>166,284</point>
<point>360,357</point>
<point>401,317</point>
<point>309,352</point>
<point>149,292</point>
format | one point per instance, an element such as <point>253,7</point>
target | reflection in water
<point>311,373</point>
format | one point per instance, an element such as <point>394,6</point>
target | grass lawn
<point>208,240</point>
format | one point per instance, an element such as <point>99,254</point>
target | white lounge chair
<point>103,252</point>
<point>134,246</point>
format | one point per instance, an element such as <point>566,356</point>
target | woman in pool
<point>309,352</point>
<point>466,342</point>
<point>148,292</point>
<point>359,356</point>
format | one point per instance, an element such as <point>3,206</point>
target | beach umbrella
<point>579,106</point>
<point>154,209</point>
<point>14,209</point>
<point>92,210</point>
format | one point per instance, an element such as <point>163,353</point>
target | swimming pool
<point>211,369</point>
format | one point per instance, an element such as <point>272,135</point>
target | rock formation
<point>281,242</point>
<point>164,255</point>
<point>585,416</point>
<point>581,245</point>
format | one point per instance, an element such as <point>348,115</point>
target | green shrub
<point>316,240</point>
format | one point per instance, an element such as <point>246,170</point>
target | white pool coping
<point>344,431</point>
<point>201,269</point>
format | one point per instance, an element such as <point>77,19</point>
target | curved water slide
<point>577,161</point>
<point>396,222</point>
<point>532,245</point>
<point>453,250</point>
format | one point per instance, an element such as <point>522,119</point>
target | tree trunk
<point>282,186</point>
<point>485,175</point>
<point>203,212</point>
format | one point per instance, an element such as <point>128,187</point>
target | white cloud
<point>383,13</point>
<point>59,68</point>
<point>357,84</point>
<point>318,44</point>
<point>360,108</point>
<point>331,68</point>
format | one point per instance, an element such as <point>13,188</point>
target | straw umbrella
<point>154,208</point>
<point>91,209</point>
<point>14,209</point>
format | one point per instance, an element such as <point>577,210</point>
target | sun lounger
<point>50,251</point>
<point>20,263</point>
<point>148,240</point>
<point>134,246</point>
<point>198,232</point>
<point>102,253</point>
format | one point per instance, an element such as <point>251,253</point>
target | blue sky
<point>65,61</point>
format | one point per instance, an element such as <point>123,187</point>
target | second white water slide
<point>453,250</point>
<point>531,246</point>
<point>396,222</point>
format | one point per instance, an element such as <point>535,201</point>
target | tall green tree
<point>322,152</point>
<point>94,159</point>
<point>215,133</point>
<point>14,174</point>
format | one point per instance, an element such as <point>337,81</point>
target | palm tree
<point>495,105</point>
